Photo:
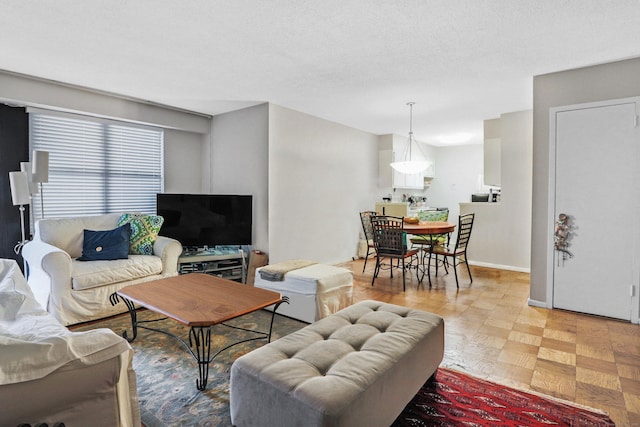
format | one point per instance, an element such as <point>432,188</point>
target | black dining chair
<point>390,241</point>
<point>365,218</point>
<point>458,253</point>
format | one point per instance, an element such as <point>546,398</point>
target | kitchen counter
<point>401,208</point>
<point>392,208</point>
<point>479,203</point>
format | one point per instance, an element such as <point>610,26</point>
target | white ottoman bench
<point>358,367</point>
<point>314,292</point>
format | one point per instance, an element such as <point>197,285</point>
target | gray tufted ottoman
<point>357,367</point>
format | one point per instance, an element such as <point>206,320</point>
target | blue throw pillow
<point>106,245</point>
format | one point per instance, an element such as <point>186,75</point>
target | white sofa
<point>51,375</point>
<point>78,291</point>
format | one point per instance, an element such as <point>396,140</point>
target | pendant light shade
<point>408,165</point>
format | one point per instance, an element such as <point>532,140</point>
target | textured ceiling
<point>352,62</point>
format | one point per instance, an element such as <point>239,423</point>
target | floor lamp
<point>33,188</point>
<point>20,196</point>
<point>40,173</point>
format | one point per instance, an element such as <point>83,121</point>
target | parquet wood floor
<point>491,333</point>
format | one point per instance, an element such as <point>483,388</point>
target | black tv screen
<point>198,220</point>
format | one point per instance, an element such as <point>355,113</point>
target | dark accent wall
<point>14,148</point>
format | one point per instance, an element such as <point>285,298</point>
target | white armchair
<point>78,291</point>
<point>49,375</point>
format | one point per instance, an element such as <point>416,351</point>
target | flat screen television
<point>198,220</point>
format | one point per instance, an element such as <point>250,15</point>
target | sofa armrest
<point>49,270</point>
<point>168,250</point>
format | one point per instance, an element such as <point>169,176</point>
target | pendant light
<point>409,165</point>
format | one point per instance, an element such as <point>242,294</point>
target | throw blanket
<point>33,343</point>
<point>276,272</point>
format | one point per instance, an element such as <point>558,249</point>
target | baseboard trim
<point>500,266</point>
<point>536,303</point>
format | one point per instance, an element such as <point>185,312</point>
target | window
<point>96,166</point>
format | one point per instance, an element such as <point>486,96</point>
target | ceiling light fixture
<point>408,165</point>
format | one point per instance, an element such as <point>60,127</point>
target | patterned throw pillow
<point>144,231</point>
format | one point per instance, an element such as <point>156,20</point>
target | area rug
<point>166,373</point>
<point>456,399</point>
<point>166,376</point>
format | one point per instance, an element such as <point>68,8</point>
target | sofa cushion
<point>106,245</point>
<point>87,275</point>
<point>67,233</point>
<point>144,231</point>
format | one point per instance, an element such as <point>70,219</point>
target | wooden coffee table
<point>198,301</point>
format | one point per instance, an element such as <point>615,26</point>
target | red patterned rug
<point>456,399</point>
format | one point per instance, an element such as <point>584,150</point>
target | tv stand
<point>227,264</point>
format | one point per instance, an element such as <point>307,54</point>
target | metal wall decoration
<point>562,235</point>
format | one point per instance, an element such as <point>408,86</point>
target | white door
<point>597,186</point>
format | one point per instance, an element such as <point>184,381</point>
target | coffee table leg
<point>200,336</point>
<point>114,298</point>
<point>429,266</point>
<point>273,315</point>
<point>200,340</point>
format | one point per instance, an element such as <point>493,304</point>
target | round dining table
<point>431,229</point>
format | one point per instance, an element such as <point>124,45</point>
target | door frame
<point>553,112</point>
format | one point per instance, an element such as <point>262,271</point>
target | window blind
<point>97,167</point>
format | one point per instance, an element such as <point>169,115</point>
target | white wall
<point>501,235</point>
<point>321,175</point>
<point>601,82</point>
<point>24,90</point>
<point>184,131</point>
<point>457,176</point>
<point>182,162</point>
<point>239,162</point>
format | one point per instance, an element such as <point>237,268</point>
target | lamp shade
<point>40,169</point>
<point>410,166</point>
<point>33,186</point>
<point>19,183</point>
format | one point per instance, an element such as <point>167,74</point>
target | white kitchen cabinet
<point>430,172</point>
<point>412,181</point>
